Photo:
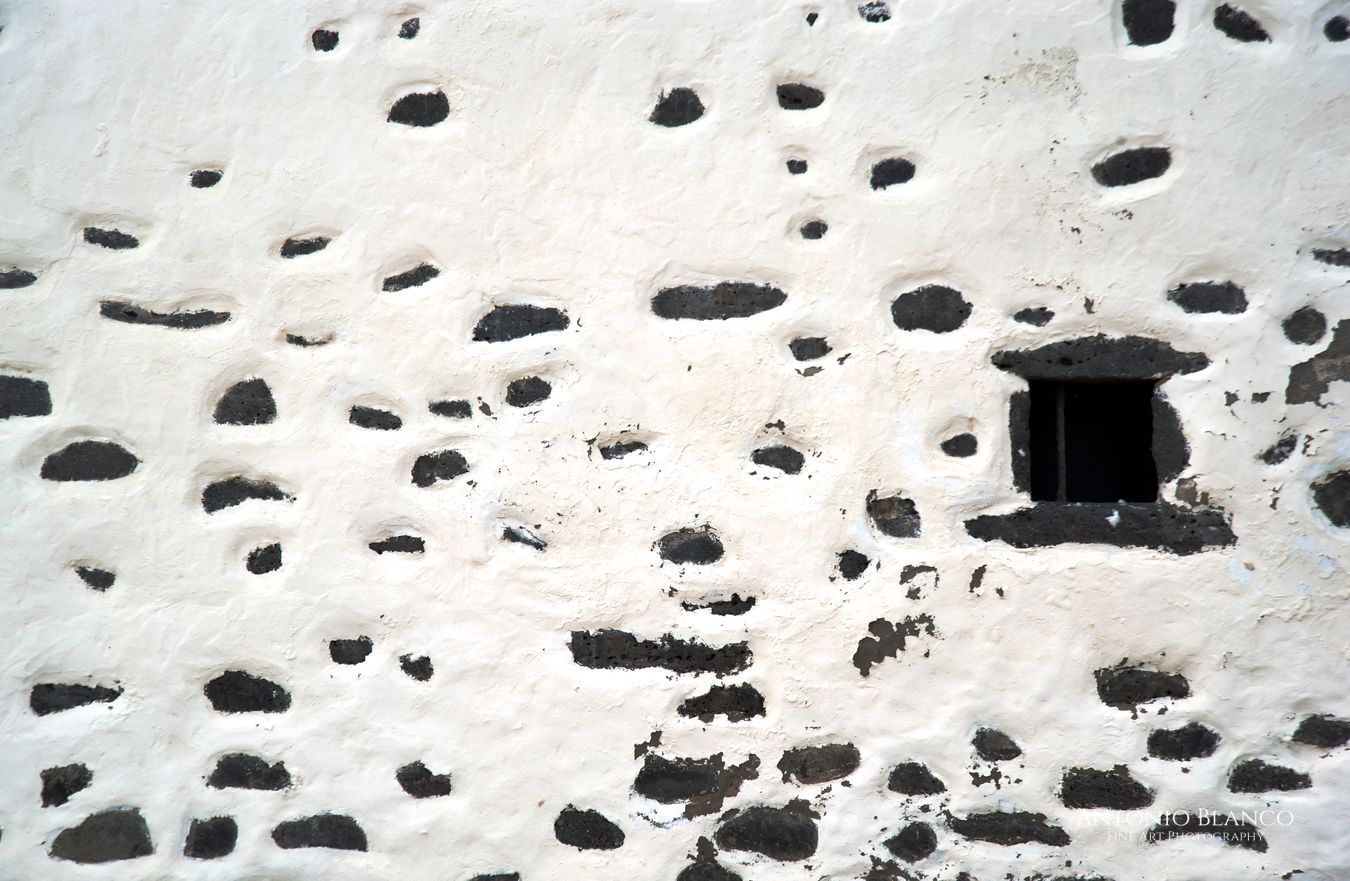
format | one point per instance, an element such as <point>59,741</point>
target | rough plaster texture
<point>196,195</point>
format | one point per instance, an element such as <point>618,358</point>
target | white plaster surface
<point>548,185</point>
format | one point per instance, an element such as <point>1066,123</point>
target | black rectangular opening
<point>1092,441</point>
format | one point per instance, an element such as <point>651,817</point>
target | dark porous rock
<point>419,668</point>
<point>1323,731</point>
<point>895,516</point>
<point>1332,256</point>
<point>205,178</point>
<point>528,391</point>
<point>333,831</point>
<point>410,28</point>
<point>264,559</point>
<point>874,11</point>
<point>675,780</point>
<point>1224,826</point>
<point>105,837</point>
<point>891,172</point>
<point>728,299</point>
<point>698,545</point>
<point>1101,357</point>
<point>618,650</point>
<point>1222,297</point>
<point>113,239</point>
<point>1255,775</point>
<point>232,491</point>
<point>935,308</point>
<point>350,651</point>
<point>814,229</point>
<point>501,876</point>
<point>1009,828</point>
<point>779,456</point>
<point>211,838</point>
<point>734,606</point>
<point>1158,525</point>
<point>184,319</point>
<point>243,771</point>
<point>89,460</point>
<point>799,96</point>
<point>306,342</point>
<point>913,843</point>
<point>24,396</point>
<point>60,783</point>
<point>586,830</point>
<point>1114,789</point>
<point>418,781</point>
<point>993,745</point>
<point>398,544</point>
<point>415,277</point>
<point>420,109</point>
<point>1309,380</point>
<point>852,564</point>
<point>299,246</point>
<point>55,697</point>
<point>1281,450</point>
<point>97,579</point>
<point>888,640</point>
<point>810,765</point>
<point>442,465</point>
<point>522,536</point>
<point>235,691</point>
<point>809,348</point>
<point>1304,326</point>
<point>1190,741</point>
<point>456,409</point>
<point>785,834</point>
<point>14,278</point>
<point>680,106</point>
<point>1036,316</point>
<point>796,166</point>
<point>1148,22</point>
<point>324,40</point>
<point>738,703</point>
<point>914,778</point>
<point>1238,25</point>
<point>707,870</point>
<point>960,446</point>
<point>1132,166</point>
<point>373,418</point>
<point>619,449</point>
<point>1125,687</point>
<point>1331,495</point>
<point>512,322</point>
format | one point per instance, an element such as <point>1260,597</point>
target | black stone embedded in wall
<point>248,402</point>
<point>888,640</point>
<point>1190,741</point>
<point>89,460</point>
<point>419,781</point>
<point>737,703</point>
<point>587,830</point>
<point>232,491</point>
<point>1310,380</point>
<point>1326,732</point>
<point>420,109</point>
<point>24,396</point>
<point>333,831</point>
<point>244,771</point>
<point>680,106</point>
<point>1132,166</point>
<point>106,837</point>
<point>415,277</point>
<point>786,834</point>
<point>698,545</point>
<point>724,300</point>
<point>515,321</point>
<point>54,697</point>
<point>59,784</point>
<point>1237,24</point>
<point>181,319</point>
<point>811,765</point>
<point>1125,687</point>
<point>616,650</point>
<point>1148,22</point>
<point>1114,789</point>
<point>912,843</point>
<point>914,778</point>
<point>235,691</point>
<point>1009,828</point>
<point>211,838</point>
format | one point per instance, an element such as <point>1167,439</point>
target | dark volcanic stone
<point>1137,525</point>
<point>299,246</point>
<point>1126,687</point>
<point>674,780</point>
<point>409,29</point>
<point>1219,824</point>
<point>419,668</point>
<point>110,238</point>
<point>935,308</point>
<point>105,837</point>
<point>458,409</point>
<point>398,544</point>
<point>97,579</point>
<point>14,278</point>
<point>243,771</point>
<point>212,838</point>
<point>809,348</point>
<point>620,449</point>
<point>246,403</point>
<point>993,745</point>
<point>89,460</point>
<point>706,870</point>
<point>728,299</point>
<point>1332,497</point>
<point>780,834</point>
<point>205,178</point>
<point>852,564</point>
<point>796,166</point>
<point>1209,297</point>
<point>1255,775</point>
<point>698,545</point>
<point>528,391</point>
<point>1323,731</point>
<point>891,172</point>
<point>415,277</point>
<point>22,396</point>
<point>235,691</point>
<point>888,640</point>
<point>894,515</point>
<point>1281,450</point>
<point>1305,326</point>
<point>505,876</point>
<point>522,536</point>
<point>779,456</point>
<point>512,322</point>
<point>334,831</point>
<point>1009,828</point>
<point>350,651</point>
<point>1332,256</point>
<point>1190,741</point>
<point>60,783</point>
<point>914,778</point>
<point>1337,29</point>
<point>733,606</point>
<point>1148,22</point>
<point>418,781</point>
<point>374,418</point>
<point>586,830</point>
<point>737,702</point>
<point>913,843</point>
<point>1309,380</point>
<point>814,229</point>
<point>264,559</point>
<point>1114,789</point>
<point>191,319</point>
<point>1036,316</point>
<point>875,11</point>
<point>679,106</point>
<point>819,764</point>
<point>54,697</point>
<point>323,40</point>
<point>617,650</point>
<point>234,491</point>
<point>442,465</point>
<point>1132,166</point>
<point>306,342</point>
<point>1238,25</point>
<point>961,446</point>
<point>799,96</point>
<point>420,109</point>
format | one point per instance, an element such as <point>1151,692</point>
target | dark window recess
<point>1092,442</point>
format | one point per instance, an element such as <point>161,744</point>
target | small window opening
<point>1092,442</point>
